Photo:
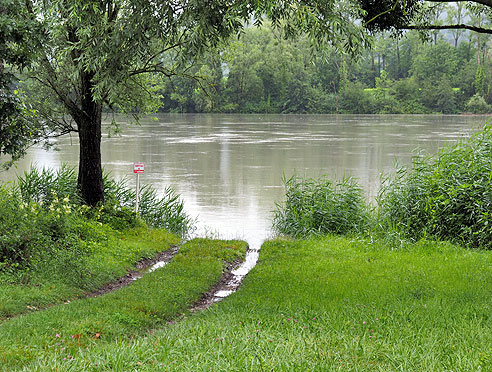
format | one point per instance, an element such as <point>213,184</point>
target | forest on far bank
<point>261,72</point>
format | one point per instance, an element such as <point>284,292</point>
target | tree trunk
<point>90,180</point>
<point>398,59</point>
<point>373,70</point>
<point>479,44</point>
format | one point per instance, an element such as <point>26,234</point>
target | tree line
<point>262,72</point>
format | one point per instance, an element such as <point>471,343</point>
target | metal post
<point>138,190</point>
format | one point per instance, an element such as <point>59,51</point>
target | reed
<point>446,196</point>
<point>165,211</point>
<point>320,206</point>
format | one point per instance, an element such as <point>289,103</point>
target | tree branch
<point>483,2</point>
<point>449,27</point>
<point>52,78</point>
<point>154,68</point>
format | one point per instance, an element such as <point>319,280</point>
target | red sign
<point>138,167</point>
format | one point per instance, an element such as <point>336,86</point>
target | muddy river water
<point>229,168</point>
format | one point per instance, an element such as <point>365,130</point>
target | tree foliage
<point>95,55</point>
<point>397,15</point>
<point>15,128</point>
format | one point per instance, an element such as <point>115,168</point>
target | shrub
<point>32,233</point>
<point>477,105</point>
<point>165,212</point>
<point>16,233</point>
<point>42,186</point>
<point>354,100</point>
<point>320,206</point>
<point>446,196</point>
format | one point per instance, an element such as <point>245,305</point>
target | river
<point>229,168</point>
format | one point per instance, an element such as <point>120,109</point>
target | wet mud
<point>142,267</point>
<point>230,281</point>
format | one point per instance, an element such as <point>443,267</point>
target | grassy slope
<point>55,282</point>
<point>60,331</point>
<point>326,305</point>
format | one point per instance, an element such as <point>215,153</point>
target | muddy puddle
<point>152,268</point>
<point>230,282</point>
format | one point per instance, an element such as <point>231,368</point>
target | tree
<point>455,15</point>
<point>398,15</point>
<point>108,54</point>
<point>15,128</point>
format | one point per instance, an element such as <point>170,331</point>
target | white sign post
<point>137,169</point>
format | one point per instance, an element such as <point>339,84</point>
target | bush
<point>446,196</point>
<point>32,233</point>
<point>439,96</point>
<point>166,212</point>
<point>477,105</point>
<point>316,207</point>
<point>43,221</point>
<point>355,101</point>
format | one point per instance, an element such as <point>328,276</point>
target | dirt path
<point>229,282</point>
<point>142,267</point>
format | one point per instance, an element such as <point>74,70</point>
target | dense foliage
<point>445,196</point>
<point>264,73</point>
<point>16,131</point>
<point>43,216</point>
<point>424,15</point>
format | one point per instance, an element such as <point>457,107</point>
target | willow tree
<point>398,15</point>
<point>90,56</point>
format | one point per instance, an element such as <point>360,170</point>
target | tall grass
<point>167,211</point>
<point>40,186</point>
<point>446,196</point>
<point>320,206</point>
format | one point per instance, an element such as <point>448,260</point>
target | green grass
<point>61,276</point>
<point>61,331</point>
<point>331,304</point>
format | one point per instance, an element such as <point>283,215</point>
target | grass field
<point>59,277</point>
<point>61,332</point>
<point>331,304</point>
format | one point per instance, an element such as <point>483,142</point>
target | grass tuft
<point>320,206</point>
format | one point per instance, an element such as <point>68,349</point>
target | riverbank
<point>333,303</point>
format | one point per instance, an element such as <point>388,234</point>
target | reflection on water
<point>228,168</point>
